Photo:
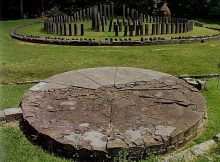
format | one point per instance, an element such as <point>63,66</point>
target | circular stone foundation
<point>101,110</point>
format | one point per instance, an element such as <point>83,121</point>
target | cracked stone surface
<point>101,109</point>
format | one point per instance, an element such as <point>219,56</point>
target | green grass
<point>26,61</point>
<point>11,95</point>
<point>212,97</point>
<point>37,29</point>
<point>16,148</point>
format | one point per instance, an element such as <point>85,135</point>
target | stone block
<point>13,114</point>
<point>148,43</point>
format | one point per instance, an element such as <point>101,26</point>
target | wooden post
<point>112,10</point>
<point>141,29</point>
<point>128,12</point>
<point>103,24</point>
<point>177,28</point>
<point>98,22</point>
<point>116,29</point>
<point>153,29</point>
<point>70,30</point>
<point>75,29</point>
<point>167,28</point>
<point>126,29</point>
<point>109,12</point>
<point>100,9</point>
<point>64,28</point>
<point>146,29</point>
<point>110,26</point>
<point>172,28</point>
<point>124,7</point>
<point>105,10</point>
<point>61,29</point>
<point>131,29</point>
<point>82,29</point>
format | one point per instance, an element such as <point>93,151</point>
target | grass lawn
<point>22,61</point>
<point>27,61</point>
<point>11,95</point>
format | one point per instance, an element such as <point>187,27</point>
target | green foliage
<point>55,12</point>
<point>122,156</point>
<point>214,9</point>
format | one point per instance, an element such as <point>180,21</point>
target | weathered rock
<point>112,108</point>
<point>116,143</point>
<point>217,137</point>
<point>190,154</point>
<point>199,84</point>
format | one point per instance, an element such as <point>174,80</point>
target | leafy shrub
<point>53,12</point>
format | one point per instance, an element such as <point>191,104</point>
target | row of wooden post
<point>156,29</point>
<point>64,28</point>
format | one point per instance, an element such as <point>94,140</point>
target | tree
<point>214,9</point>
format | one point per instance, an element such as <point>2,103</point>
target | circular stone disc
<point>101,109</point>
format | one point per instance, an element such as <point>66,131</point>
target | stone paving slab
<point>94,78</point>
<point>104,109</point>
<point>43,86</point>
<point>126,75</point>
<point>74,79</point>
<point>13,114</point>
<point>103,76</point>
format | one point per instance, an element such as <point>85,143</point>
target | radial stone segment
<point>103,109</point>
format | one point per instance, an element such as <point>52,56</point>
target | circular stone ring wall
<point>99,110</point>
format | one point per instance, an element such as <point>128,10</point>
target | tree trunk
<point>42,5</point>
<point>21,9</point>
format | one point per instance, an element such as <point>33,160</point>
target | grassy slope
<point>26,61</point>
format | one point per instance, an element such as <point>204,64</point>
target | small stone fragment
<point>116,143</point>
<point>217,137</point>
<point>199,84</point>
